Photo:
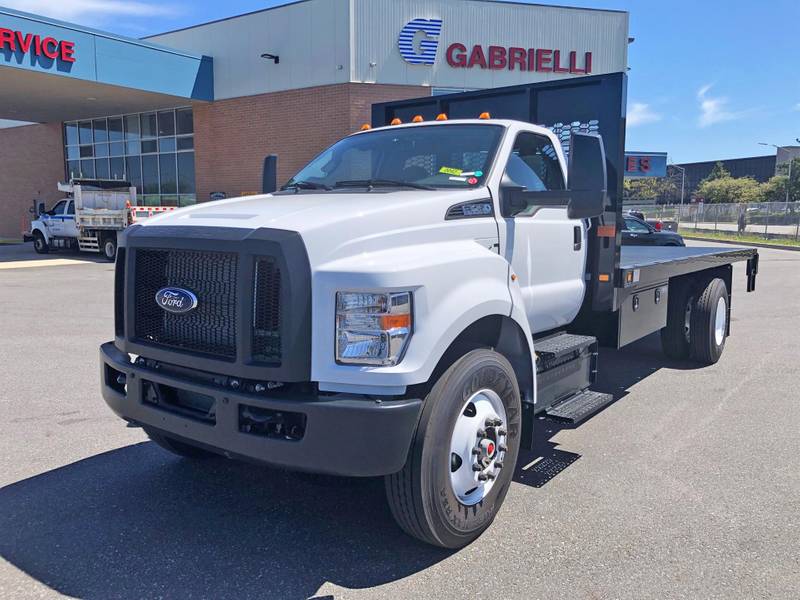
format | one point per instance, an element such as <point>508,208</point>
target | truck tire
<point>175,447</point>
<point>675,336</point>
<point>109,247</point>
<point>39,243</point>
<point>709,322</point>
<point>462,457</point>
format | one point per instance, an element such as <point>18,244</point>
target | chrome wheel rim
<point>477,446</point>
<point>720,321</point>
<point>109,249</point>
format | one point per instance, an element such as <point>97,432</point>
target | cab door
<point>546,249</point>
<point>70,226</point>
<point>55,219</point>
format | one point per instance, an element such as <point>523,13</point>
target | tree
<point>731,189</point>
<point>794,185</point>
<point>718,172</point>
<point>774,190</point>
<point>650,189</point>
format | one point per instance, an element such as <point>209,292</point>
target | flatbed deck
<point>649,265</point>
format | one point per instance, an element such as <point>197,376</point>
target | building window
<point>154,151</point>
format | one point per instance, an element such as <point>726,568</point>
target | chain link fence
<point>770,220</point>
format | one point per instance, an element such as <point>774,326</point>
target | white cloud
<point>91,11</point>
<point>714,109</point>
<point>640,113</point>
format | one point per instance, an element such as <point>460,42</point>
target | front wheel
<point>39,243</point>
<point>709,323</point>
<point>462,458</point>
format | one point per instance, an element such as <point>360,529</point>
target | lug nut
<point>491,475</point>
<point>483,477</point>
<point>481,433</point>
<point>501,431</point>
<point>476,451</point>
<point>502,448</point>
<point>477,467</point>
<point>498,465</point>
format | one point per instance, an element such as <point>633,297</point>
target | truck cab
<point>54,224</point>
<point>407,306</point>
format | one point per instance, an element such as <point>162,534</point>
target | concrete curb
<point>738,243</point>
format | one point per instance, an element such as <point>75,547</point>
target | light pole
<point>683,179</point>
<point>791,160</point>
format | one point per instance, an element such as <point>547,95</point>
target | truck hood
<point>333,223</point>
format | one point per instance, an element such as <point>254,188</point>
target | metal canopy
<point>98,74</point>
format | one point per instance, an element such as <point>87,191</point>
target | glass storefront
<point>152,150</point>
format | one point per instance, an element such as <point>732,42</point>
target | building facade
<point>190,114</point>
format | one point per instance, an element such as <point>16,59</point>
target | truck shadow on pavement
<point>621,369</point>
<point>139,523</point>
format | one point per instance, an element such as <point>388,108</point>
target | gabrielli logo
<point>36,45</point>
<point>176,300</point>
<point>419,40</point>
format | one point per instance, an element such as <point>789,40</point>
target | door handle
<point>577,238</point>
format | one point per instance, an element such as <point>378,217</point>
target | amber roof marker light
<point>441,117</point>
<point>485,115</point>
<point>395,121</point>
<point>417,119</point>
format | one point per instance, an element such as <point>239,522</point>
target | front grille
<point>119,293</point>
<point>267,311</point>
<point>211,327</point>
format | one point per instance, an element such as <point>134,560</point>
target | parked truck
<point>410,303</point>
<point>89,217</point>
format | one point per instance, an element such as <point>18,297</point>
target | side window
<point>636,226</point>
<point>534,165</point>
<point>58,209</point>
<point>71,207</point>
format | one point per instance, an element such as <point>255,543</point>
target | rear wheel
<point>175,447</point>
<point>709,322</point>
<point>462,458</point>
<point>109,247</point>
<point>39,243</point>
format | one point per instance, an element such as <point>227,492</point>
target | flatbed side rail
<point>643,267</point>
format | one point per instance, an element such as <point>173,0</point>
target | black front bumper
<point>344,434</point>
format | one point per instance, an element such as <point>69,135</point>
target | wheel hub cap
<point>477,446</point>
<point>720,321</point>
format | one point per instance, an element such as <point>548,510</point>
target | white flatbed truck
<point>410,303</point>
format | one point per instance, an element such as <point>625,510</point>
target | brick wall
<point>31,164</point>
<point>233,136</point>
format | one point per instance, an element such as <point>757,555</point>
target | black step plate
<point>579,407</point>
<point>562,344</point>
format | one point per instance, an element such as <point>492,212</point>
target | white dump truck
<point>409,304</point>
<point>89,217</point>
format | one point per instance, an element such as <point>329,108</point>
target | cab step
<point>555,350</point>
<point>581,406</point>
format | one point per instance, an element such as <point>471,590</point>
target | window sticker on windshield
<point>457,178</point>
<point>472,180</point>
<point>475,173</point>
<point>450,171</point>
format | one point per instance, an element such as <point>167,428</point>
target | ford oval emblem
<point>176,300</point>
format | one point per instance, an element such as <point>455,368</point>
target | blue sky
<point>709,78</point>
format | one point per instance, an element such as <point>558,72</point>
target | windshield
<point>435,156</point>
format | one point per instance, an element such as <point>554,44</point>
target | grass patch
<point>747,238</point>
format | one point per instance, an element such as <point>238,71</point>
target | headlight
<point>372,328</point>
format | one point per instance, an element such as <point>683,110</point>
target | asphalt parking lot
<point>688,486</point>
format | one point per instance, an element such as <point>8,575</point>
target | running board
<point>579,407</point>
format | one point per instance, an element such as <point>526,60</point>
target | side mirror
<point>41,209</point>
<point>588,182</point>
<point>512,201</point>
<point>269,176</point>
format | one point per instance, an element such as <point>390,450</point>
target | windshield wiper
<point>306,185</point>
<point>371,183</point>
